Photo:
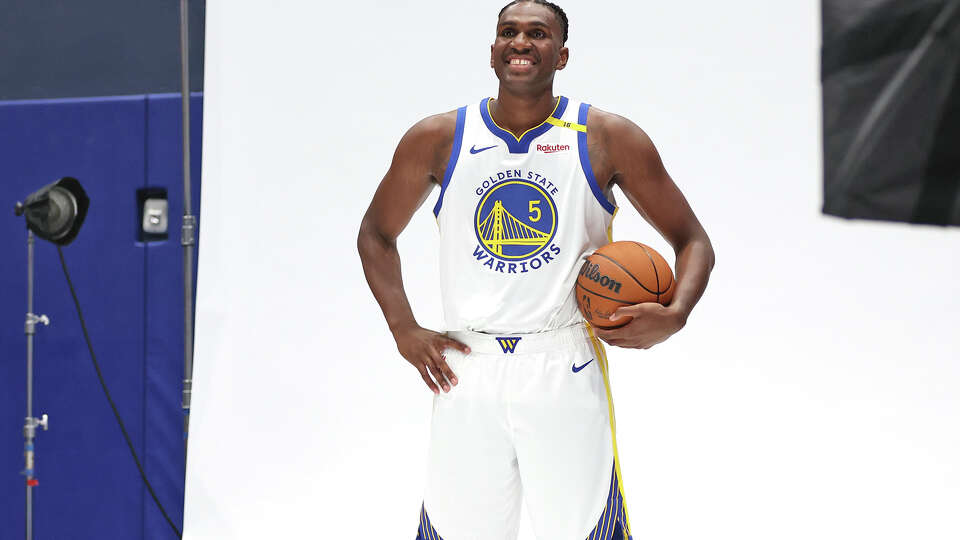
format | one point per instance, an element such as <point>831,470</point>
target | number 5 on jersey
<point>534,208</point>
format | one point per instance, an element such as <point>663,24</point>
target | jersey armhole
<point>585,162</point>
<point>452,162</point>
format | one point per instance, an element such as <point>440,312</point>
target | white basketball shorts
<point>531,417</point>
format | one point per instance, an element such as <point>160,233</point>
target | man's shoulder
<point>435,129</point>
<point>429,142</point>
<point>609,123</point>
<point>612,129</point>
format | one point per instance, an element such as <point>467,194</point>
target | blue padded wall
<point>131,294</point>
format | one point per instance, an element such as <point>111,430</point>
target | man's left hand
<point>652,323</point>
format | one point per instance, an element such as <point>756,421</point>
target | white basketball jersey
<point>516,218</point>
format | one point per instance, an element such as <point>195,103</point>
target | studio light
<point>55,212</point>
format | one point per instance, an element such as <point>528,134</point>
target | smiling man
<point>522,406</point>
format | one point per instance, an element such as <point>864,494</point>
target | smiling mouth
<point>520,62</point>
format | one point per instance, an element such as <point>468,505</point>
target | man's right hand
<point>418,165</point>
<point>424,349</point>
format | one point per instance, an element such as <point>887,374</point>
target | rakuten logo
<point>551,148</point>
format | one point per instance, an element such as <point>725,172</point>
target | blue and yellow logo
<point>508,344</point>
<point>515,220</point>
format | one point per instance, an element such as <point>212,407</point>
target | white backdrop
<point>814,393</point>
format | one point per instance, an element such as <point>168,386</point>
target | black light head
<point>55,212</point>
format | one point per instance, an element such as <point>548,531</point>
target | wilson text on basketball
<point>592,272</point>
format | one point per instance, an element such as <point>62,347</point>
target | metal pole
<point>188,229</point>
<point>31,424</point>
<point>29,432</point>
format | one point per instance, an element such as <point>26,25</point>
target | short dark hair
<point>564,23</point>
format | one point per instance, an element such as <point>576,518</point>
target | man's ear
<point>564,57</point>
<point>491,55</point>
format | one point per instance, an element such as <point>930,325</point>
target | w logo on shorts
<point>508,344</point>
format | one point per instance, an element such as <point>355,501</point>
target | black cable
<point>113,406</point>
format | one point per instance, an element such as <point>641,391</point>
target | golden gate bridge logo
<point>501,228</point>
<point>515,220</point>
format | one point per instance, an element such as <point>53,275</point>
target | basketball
<point>621,274</point>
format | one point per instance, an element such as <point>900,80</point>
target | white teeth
<point>519,62</point>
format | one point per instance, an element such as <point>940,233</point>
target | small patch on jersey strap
<point>569,125</point>
<point>426,530</point>
<point>508,344</point>
<point>613,520</point>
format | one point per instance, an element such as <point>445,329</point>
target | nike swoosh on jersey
<point>577,369</point>
<point>475,150</point>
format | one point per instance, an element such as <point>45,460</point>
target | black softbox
<point>891,110</point>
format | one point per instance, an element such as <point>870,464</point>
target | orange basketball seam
<point>632,276</point>
<point>653,263</point>
<point>655,269</point>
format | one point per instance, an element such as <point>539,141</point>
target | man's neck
<point>518,113</point>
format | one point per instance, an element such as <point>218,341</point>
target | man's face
<point>528,47</point>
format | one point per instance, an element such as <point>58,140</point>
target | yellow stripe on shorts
<point>602,360</point>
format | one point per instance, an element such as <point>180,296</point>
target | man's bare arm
<point>417,165</point>
<point>631,161</point>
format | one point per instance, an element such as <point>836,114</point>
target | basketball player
<point>522,404</point>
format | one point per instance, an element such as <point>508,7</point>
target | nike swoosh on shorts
<point>577,369</point>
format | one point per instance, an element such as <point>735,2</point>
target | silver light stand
<point>31,424</point>
<point>55,213</point>
<point>188,228</point>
